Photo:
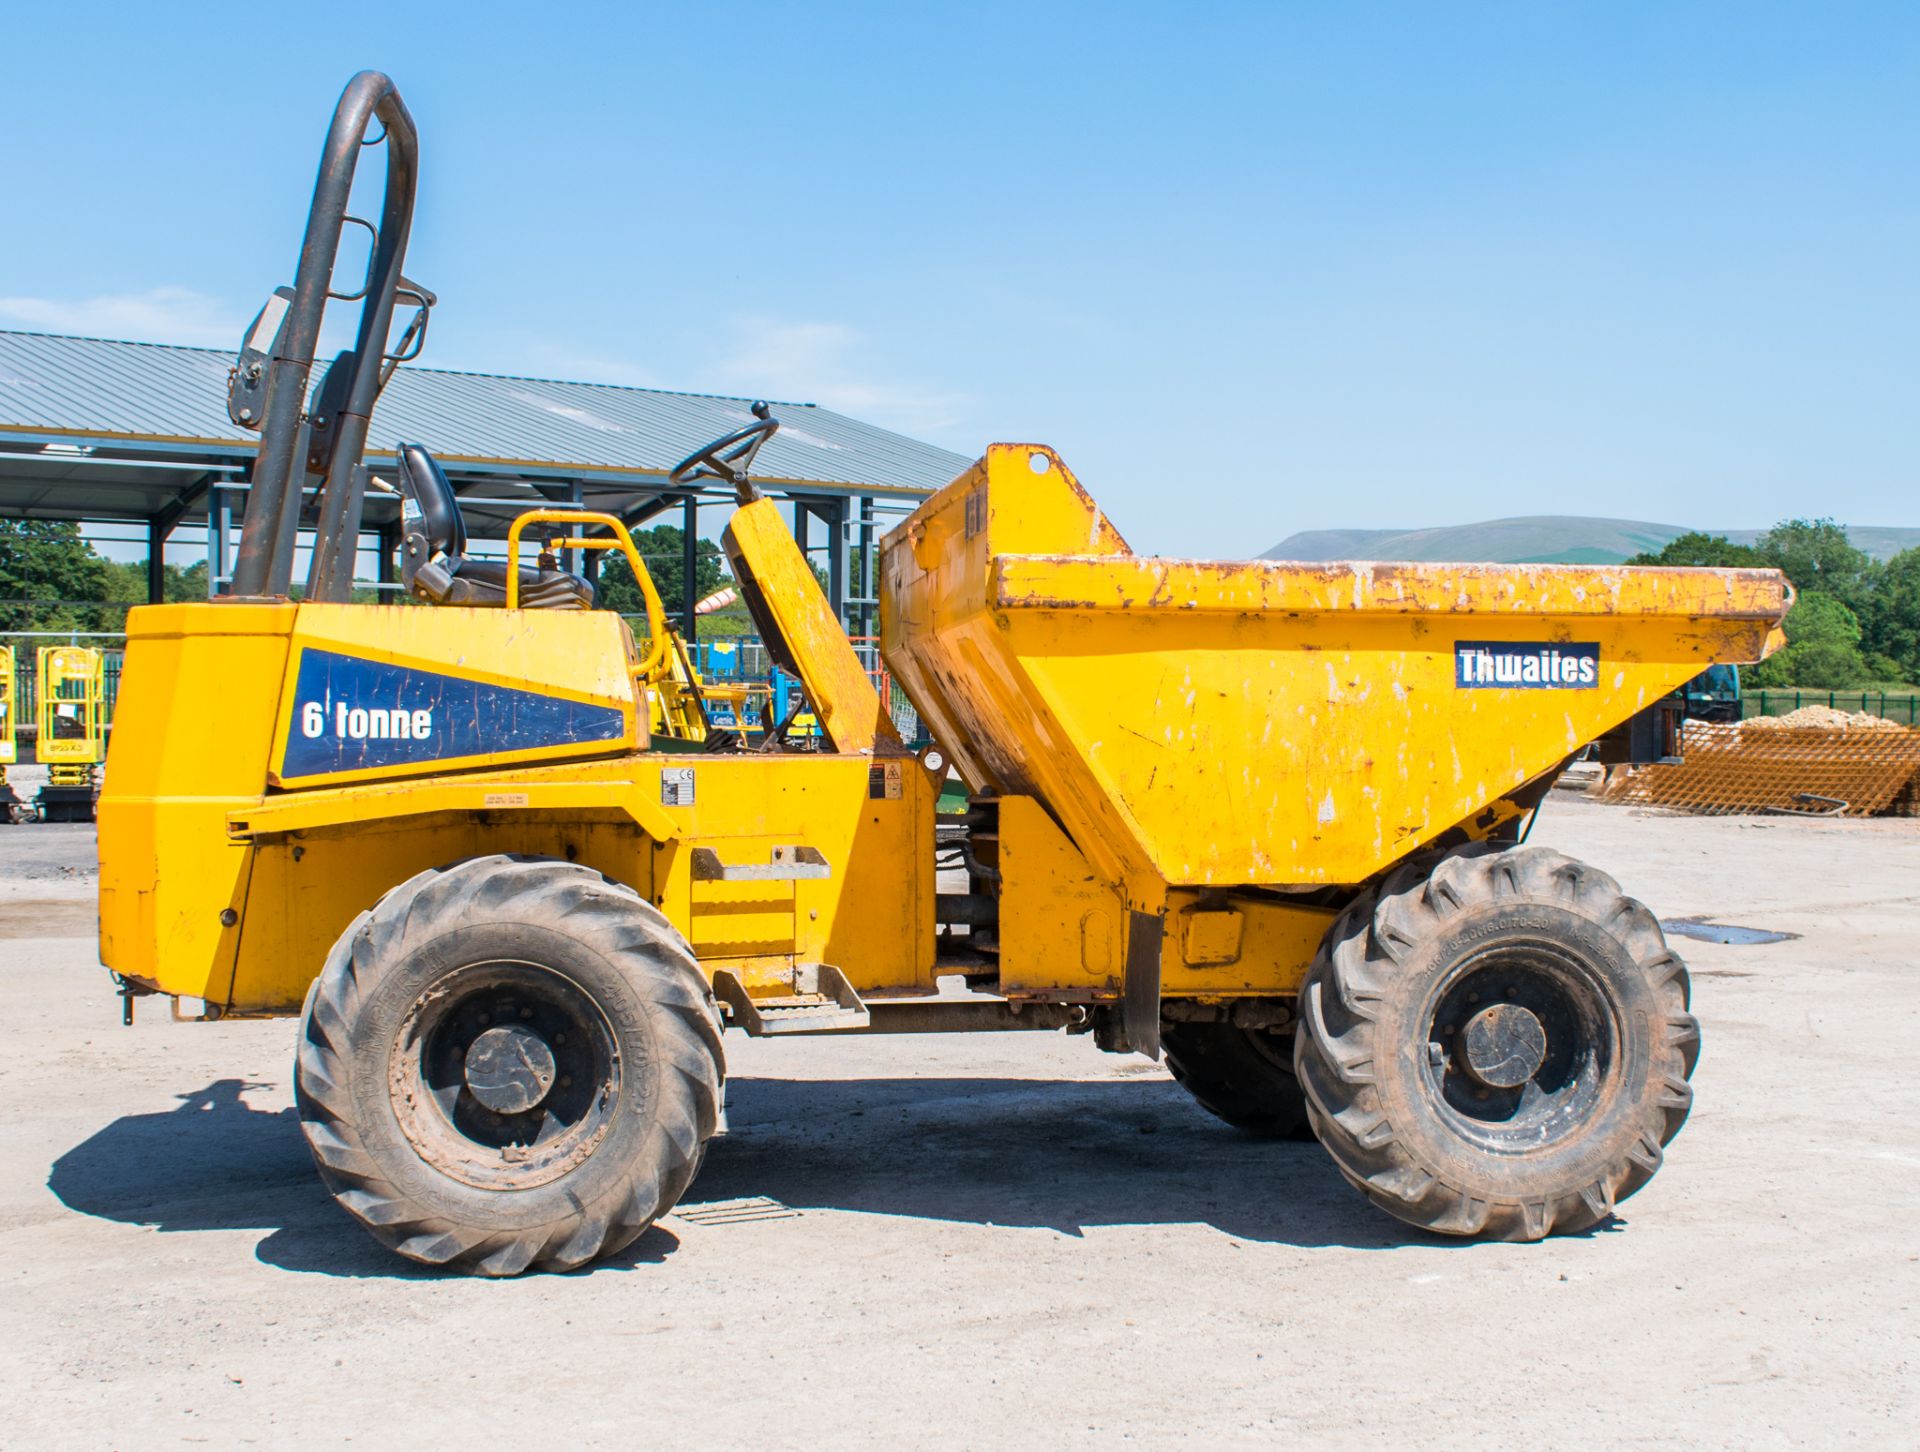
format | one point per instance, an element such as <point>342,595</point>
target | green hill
<point>1538,539</point>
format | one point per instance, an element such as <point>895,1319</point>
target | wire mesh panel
<point>1760,765</point>
<point>1906,801</point>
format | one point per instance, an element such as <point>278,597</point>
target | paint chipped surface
<point>1181,669</point>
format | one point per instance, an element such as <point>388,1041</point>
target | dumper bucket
<point>1194,723</point>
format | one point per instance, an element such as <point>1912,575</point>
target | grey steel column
<point>689,565</point>
<point>837,560</point>
<point>156,562</point>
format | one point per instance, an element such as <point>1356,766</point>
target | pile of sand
<point>1825,718</point>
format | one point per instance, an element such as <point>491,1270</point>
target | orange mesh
<point>1906,802</point>
<point>1741,768</point>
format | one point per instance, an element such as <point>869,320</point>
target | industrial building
<point>107,432</point>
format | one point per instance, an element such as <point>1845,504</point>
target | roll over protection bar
<point>264,564</point>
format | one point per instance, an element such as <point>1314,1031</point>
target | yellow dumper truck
<point>1265,819</point>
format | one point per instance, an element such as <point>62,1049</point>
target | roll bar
<point>264,565</point>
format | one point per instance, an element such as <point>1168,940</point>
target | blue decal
<point>353,715</point>
<point>1525,666</point>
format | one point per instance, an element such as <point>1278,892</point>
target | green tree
<point>1817,555</point>
<point>661,551</point>
<point>50,578</point>
<point>1891,622</point>
<point>127,586</point>
<point>1696,548</point>
<point>1823,647</point>
<point>187,583</point>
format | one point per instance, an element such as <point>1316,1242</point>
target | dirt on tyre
<point>1243,1076</point>
<point>1497,1043</point>
<point>509,1064</point>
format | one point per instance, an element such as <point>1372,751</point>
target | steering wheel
<point>731,456</point>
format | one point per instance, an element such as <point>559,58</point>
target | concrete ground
<point>996,1242</point>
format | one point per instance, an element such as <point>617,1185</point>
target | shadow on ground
<point>1059,1154</point>
<point>217,1163</point>
<point>1055,1154</point>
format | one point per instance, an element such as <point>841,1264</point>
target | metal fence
<point>1778,702</point>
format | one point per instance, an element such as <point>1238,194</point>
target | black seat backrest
<point>440,519</point>
<point>433,548</point>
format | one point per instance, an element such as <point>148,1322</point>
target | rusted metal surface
<point>968,1015</point>
<point>1906,801</point>
<point>1080,583</point>
<point>813,1015</point>
<point>1731,769</point>
<point>454,1032</point>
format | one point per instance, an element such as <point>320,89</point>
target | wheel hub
<point>1503,1045</point>
<point>509,1069</point>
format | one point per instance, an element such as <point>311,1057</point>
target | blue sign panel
<point>351,714</point>
<point>1508,665</point>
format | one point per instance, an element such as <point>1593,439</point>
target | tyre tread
<point>1234,1082</point>
<point>1334,1051</point>
<point>614,919</point>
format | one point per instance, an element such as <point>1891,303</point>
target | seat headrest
<point>423,478</point>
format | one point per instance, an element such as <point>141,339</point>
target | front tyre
<point>1497,1044</point>
<point>509,1064</point>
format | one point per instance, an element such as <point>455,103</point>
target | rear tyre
<point>509,1064</point>
<point>1497,1044</point>
<point>1243,1076</point>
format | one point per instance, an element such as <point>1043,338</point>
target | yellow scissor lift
<point>9,749</point>
<point>70,713</point>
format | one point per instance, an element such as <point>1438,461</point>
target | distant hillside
<point>1537,539</point>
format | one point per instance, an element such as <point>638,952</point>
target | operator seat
<point>433,549</point>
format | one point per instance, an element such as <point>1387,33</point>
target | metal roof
<point>97,389</point>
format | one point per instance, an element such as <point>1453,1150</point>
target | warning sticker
<point>976,511</point>
<point>883,781</point>
<point>676,786</point>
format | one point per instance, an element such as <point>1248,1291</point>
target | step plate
<point>834,1007</point>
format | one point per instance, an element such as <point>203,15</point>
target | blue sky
<point>1252,269</point>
